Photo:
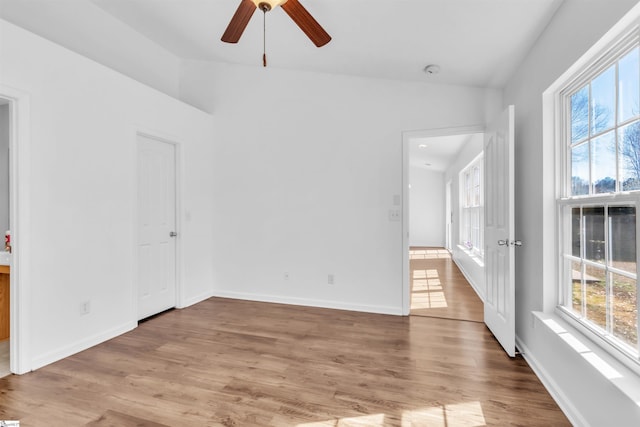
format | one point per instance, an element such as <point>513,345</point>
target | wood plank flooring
<point>439,289</point>
<point>228,362</point>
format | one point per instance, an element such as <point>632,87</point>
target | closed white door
<point>499,305</point>
<point>156,246</point>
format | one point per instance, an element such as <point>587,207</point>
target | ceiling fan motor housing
<point>267,5</point>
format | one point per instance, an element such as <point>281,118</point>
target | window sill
<point>471,254</point>
<point>615,372</point>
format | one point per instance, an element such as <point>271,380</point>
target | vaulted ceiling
<point>475,42</point>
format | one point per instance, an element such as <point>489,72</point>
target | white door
<point>499,305</point>
<point>156,246</point>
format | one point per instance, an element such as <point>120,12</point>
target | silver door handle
<point>517,243</point>
<point>503,242</point>
<point>173,234</point>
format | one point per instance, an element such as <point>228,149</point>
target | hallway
<point>439,289</point>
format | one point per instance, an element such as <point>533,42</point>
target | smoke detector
<point>432,69</point>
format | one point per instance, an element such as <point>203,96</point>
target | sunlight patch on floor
<point>375,420</point>
<point>467,414</point>
<point>427,253</point>
<point>427,290</point>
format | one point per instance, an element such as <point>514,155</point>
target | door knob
<point>503,242</point>
<point>173,234</point>
<point>517,243</point>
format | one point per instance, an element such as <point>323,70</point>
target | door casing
<point>20,285</point>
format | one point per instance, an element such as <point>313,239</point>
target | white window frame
<point>472,208</point>
<point>557,111</point>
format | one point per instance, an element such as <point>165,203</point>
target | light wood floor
<point>439,289</point>
<point>227,363</point>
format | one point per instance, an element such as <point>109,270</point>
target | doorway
<point>5,254</point>
<point>431,155</point>
<point>156,226</point>
<point>15,204</point>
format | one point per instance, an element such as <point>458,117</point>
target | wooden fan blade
<point>306,22</point>
<point>239,21</point>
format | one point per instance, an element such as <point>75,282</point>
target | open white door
<point>499,305</point>
<point>156,226</point>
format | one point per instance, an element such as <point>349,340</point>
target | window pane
<point>575,232</point>
<point>622,237</point>
<point>629,137</point>
<point>476,186</point>
<point>593,222</point>
<point>596,295</point>
<point>624,309</point>
<point>603,102</point>
<point>580,170</point>
<point>467,186</point>
<point>629,86</point>
<point>580,115</point>
<point>603,163</point>
<point>576,287</point>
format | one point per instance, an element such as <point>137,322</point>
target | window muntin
<point>605,130</point>
<point>472,211</point>
<point>599,287</point>
<point>601,265</point>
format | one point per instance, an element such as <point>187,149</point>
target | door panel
<point>156,248</point>
<point>499,307</point>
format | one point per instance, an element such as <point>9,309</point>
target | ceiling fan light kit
<point>270,4</point>
<point>293,8</point>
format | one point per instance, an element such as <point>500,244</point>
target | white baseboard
<point>469,279</point>
<point>194,300</point>
<point>66,351</point>
<point>556,393</point>
<point>378,309</point>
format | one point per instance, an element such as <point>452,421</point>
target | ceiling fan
<point>294,9</point>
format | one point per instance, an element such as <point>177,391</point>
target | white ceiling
<point>475,42</point>
<point>436,153</point>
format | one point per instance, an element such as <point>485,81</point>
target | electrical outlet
<point>330,279</point>
<point>85,307</point>
<point>394,215</point>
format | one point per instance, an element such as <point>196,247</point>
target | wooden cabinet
<point>4,302</point>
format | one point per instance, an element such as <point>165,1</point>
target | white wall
<point>584,392</point>
<point>4,171</point>
<point>426,207</point>
<point>473,271</point>
<point>80,183</point>
<point>305,175</point>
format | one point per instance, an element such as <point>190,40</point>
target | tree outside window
<point>603,150</point>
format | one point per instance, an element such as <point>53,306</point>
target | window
<point>472,211</point>
<point>599,195</point>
